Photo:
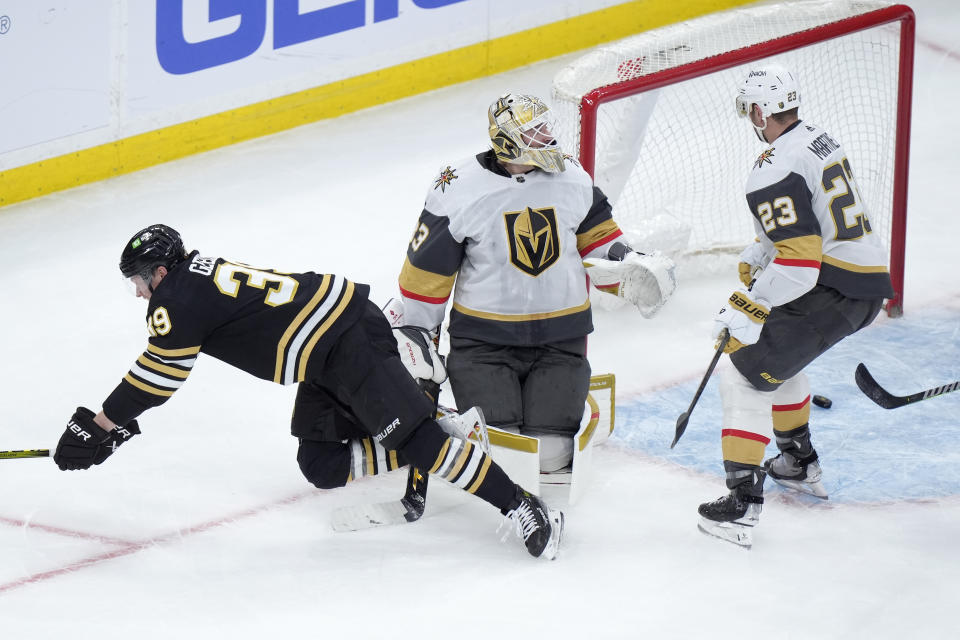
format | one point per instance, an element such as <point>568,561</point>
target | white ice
<point>204,527</point>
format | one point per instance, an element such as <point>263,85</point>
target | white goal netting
<point>674,160</point>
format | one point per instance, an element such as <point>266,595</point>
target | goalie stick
<point>684,417</point>
<point>889,401</point>
<point>24,453</point>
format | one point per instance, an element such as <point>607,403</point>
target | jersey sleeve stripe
<point>424,285</point>
<point>597,236</point>
<point>813,264</point>
<point>297,321</point>
<point>146,387</point>
<point>173,353</point>
<point>163,368</point>
<point>155,378</point>
<point>330,319</point>
<point>808,247</point>
<point>414,296</point>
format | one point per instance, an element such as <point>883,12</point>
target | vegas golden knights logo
<point>533,239</point>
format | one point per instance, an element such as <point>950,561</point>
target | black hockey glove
<point>84,443</point>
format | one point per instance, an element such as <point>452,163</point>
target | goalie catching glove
<point>84,443</point>
<point>743,317</point>
<point>645,280</point>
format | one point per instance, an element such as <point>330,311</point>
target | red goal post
<point>652,118</point>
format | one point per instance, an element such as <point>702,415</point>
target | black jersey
<point>275,326</point>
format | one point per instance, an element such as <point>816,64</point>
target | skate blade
<point>552,549</point>
<point>738,534</point>
<point>815,489</point>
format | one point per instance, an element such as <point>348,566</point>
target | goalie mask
<point>522,132</point>
<point>771,87</point>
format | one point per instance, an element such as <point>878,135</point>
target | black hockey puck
<point>822,401</point>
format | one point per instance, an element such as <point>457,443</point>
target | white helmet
<point>772,87</point>
<point>522,130</point>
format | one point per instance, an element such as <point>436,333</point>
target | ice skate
<point>789,472</point>
<point>539,527</point>
<point>731,517</point>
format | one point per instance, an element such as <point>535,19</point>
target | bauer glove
<point>418,352</point>
<point>743,317</point>
<point>753,259</point>
<point>84,443</point>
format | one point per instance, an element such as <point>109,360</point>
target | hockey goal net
<point>652,118</point>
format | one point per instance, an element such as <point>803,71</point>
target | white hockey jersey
<point>513,245</point>
<point>810,217</point>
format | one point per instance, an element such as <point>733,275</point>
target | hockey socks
<point>460,462</point>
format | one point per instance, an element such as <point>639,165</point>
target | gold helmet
<point>522,131</point>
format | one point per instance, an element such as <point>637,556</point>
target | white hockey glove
<point>743,317</point>
<point>753,259</point>
<point>418,351</point>
<point>416,345</point>
<point>645,280</point>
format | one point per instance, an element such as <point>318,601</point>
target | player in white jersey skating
<point>816,274</point>
<point>511,227</point>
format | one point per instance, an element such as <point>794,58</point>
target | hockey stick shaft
<point>24,453</point>
<point>887,400</point>
<point>684,417</point>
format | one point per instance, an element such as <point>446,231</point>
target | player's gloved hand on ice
<point>743,317</point>
<point>753,259</point>
<point>418,351</point>
<point>84,443</point>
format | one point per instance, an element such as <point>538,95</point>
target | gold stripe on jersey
<point>849,266</point>
<point>392,460</point>
<point>297,321</point>
<point>425,283</point>
<point>800,248</point>
<point>596,234</point>
<point>173,353</point>
<point>331,318</point>
<point>523,317</point>
<point>162,368</point>
<point>143,386</point>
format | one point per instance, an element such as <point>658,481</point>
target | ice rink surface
<point>204,527</point>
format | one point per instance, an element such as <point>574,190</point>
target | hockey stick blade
<point>24,453</point>
<point>684,417</point>
<point>409,508</point>
<point>887,400</point>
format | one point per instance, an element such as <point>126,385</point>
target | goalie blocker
<point>519,455</point>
